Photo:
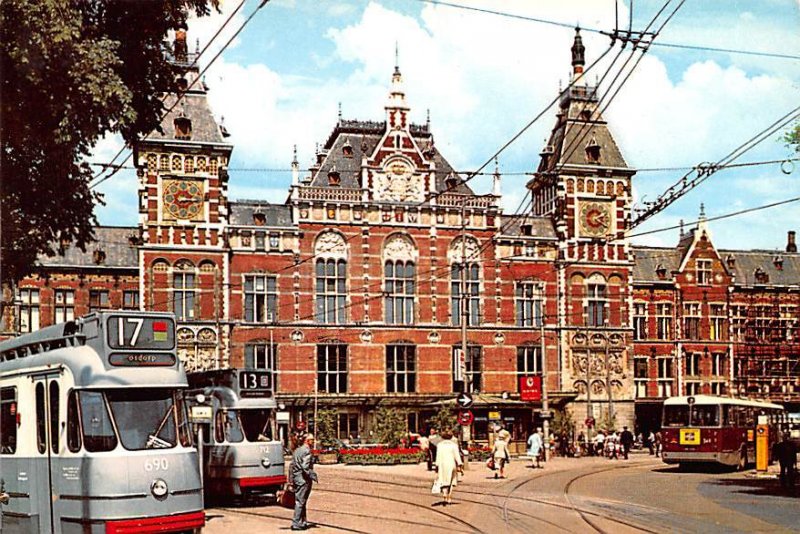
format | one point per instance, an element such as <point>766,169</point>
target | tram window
<point>257,424</point>
<point>98,432</point>
<point>184,432</point>
<point>8,420</point>
<point>41,420</point>
<point>54,415</point>
<point>73,424</point>
<point>228,428</point>
<point>145,419</point>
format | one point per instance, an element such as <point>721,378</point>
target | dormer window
<point>730,261</point>
<point>259,219</point>
<point>451,181</point>
<point>99,256</point>
<point>183,128</point>
<point>182,84</point>
<point>527,229</point>
<point>586,115</point>
<point>334,178</point>
<point>761,276</point>
<point>777,261</point>
<point>593,151</point>
<point>347,149</point>
<point>661,271</point>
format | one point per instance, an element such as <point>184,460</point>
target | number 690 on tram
<point>93,430</point>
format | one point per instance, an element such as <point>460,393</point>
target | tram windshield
<point>699,415</point>
<point>257,424</point>
<point>145,419</point>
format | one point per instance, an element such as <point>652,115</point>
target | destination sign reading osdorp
<point>142,360</point>
<point>127,332</point>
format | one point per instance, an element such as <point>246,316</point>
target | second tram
<point>93,430</point>
<point>241,455</point>
<point>709,429</point>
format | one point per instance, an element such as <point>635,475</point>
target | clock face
<point>183,199</point>
<point>595,219</point>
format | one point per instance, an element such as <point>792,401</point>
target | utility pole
<point>608,384</point>
<point>589,414</point>
<point>464,301</point>
<point>545,403</point>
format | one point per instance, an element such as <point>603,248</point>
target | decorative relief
<point>197,350</point>
<point>331,245</point>
<point>434,337</point>
<point>399,247</point>
<point>454,254</point>
<point>399,183</point>
<point>297,336</point>
<point>499,338</point>
<point>365,336</point>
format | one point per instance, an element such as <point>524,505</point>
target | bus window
<point>98,432</point>
<point>41,423</point>
<point>8,420</point>
<point>73,424</point>
<point>676,415</point>
<point>257,424</point>
<point>54,406</point>
<point>705,415</point>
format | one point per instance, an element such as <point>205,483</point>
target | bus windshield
<point>257,424</point>
<point>699,415</point>
<point>145,419</point>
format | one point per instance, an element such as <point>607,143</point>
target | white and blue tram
<point>241,455</point>
<point>94,434</point>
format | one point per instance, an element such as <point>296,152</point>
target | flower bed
<point>380,456</point>
<point>479,454</point>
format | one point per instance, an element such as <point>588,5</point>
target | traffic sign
<point>589,422</point>
<point>300,425</point>
<point>546,415</point>
<point>464,400</point>
<point>465,418</point>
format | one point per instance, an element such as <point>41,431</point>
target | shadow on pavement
<point>755,486</point>
<point>694,468</point>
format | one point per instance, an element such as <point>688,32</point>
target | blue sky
<point>484,76</point>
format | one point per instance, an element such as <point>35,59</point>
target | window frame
<point>596,302</point>
<point>99,299</point>
<point>330,291</point>
<point>639,321</point>
<point>264,300</point>
<point>399,292</point>
<point>184,293</point>
<point>63,305</point>
<point>332,375</point>
<point>473,294</point>
<point>401,380</point>
<point>528,303</point>
<point>703,271</point>
<point>30,314</point>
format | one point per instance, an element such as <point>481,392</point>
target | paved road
<point>586,495</point>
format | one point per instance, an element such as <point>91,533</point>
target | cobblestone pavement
<point>568,495</point>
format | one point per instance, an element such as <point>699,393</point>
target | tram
<point>241,456</point>
<point>718,430</point>
<point>93,429</point>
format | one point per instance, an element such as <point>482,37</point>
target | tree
<point>562,423</point>
<point>444,419</point>
<point>325,428</point>
<point>390,426</point>
<point>792,137</point>
<point>73,71</point>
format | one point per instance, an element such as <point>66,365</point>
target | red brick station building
<point>351,291</point>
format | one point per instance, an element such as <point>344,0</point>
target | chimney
<point>791,245</point>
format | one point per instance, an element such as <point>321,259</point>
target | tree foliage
<point>325,428</point>
<point>390,426</point>
<point>444,419</point>
<point>73,71</point>
<point>792,137</point>
<point>563,422</point>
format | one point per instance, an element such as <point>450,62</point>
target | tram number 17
<point>121,330</point>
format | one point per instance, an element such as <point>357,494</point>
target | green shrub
<point>390,426</point>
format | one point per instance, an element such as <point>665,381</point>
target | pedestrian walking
<point>611,446</point>
<point>599,443</point>
<point>658,443</point>
<point>786,453</point>
<point>500,452</point>
<point>535,447</point>
<point>302,476</point>
<point>651,442</point>
<point>448,462</point>
<point>626,439</point>
<point>433,441</point>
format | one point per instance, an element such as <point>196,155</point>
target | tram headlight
<point>265,463</point>
<point>159,489</point>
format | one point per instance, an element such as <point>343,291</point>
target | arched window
<point>465,269</point>
<point>183,286</point>
<point>596,298</point>
<point>331,292</point>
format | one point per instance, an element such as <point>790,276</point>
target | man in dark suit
<point>303,476</point>
<point>786,453</point>
<point>626,439</point>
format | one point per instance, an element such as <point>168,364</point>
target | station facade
<point>354,291</point>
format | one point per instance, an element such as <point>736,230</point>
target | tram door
<point>43,474</point>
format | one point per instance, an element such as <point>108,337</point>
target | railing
<point>330,193</point>
<point>469,201</point>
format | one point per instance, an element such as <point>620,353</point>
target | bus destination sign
<point>158,359</point>
<point>127,332</point>
<point>255,383</point>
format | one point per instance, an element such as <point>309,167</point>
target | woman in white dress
<point>448,461</point>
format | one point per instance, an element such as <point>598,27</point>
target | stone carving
<point>297,336</point>
<point>434,337</point>
<point>330,245</point>
<point>366,336</point>
<point>598,388</point>
<point>399,183</point>
<point>499,338</point>
<point>473,253</point>
<point>579,386</point>
<point>399,247</point>
<point>207,335</point>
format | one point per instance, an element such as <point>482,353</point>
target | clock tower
<point>583,184</point>
<point>183,209</point>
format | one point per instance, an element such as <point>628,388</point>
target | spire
<point>428,119</point>
<point>396,58</point>
<point>396,107</point>
<point>295,168</point>
<point>702,211</point>
<point>340,112</point>
<point>496,179</point>
<point>578,60</point>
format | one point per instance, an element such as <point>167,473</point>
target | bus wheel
<point>742,460</point>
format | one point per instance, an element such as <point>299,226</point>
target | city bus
<point>714,430</point>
